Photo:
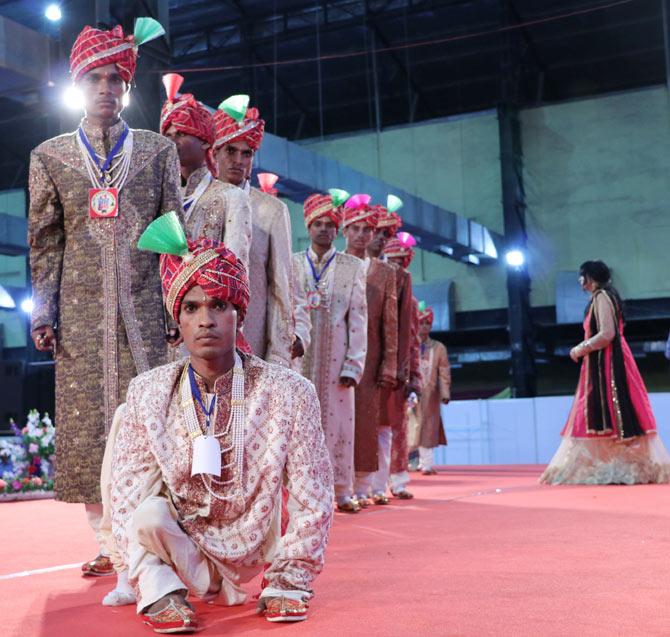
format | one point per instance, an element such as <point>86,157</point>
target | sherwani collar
<point>319,262</point>
<point>102,143</point>
<point>194,179</point>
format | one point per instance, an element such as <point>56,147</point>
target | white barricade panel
<point>551,414</point>
<point>517,431</point>
<point>467,434</point>
<point>512,431</point>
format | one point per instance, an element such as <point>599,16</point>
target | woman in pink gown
<point>610,436</point>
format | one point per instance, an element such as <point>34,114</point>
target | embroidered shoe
<point>283,609</point>
<point>101,566</point>
<point>176,617</point>
<point>380,498</point>
<point>403,495</point>
<point>349,506</point>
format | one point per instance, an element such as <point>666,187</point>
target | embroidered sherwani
<point>435,387</point>
<point>268,326</point>
<point>380,361</point>
<point>97,289</point>
<point>338,347</point>
<point>282,444</point>
<point>221,213</point>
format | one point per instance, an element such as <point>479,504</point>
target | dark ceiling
<point>324,68</point>
<point>612,49</point>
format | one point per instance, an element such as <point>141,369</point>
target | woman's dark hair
<point>599,272</point>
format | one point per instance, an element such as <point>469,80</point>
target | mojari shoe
<point>174,618</point>
<point>403,495</point>
<point>350,506</point>
<point>364,502</point>
<point>101,566</point>
<point>284,609</point>
<point>380,498</point>
<point>429,472</point>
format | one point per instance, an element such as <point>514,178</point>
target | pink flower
<point>3,484</point>
<point>16,485</point>
<point>36,482</point>
<point>33,447</point>
<point>24,431</point>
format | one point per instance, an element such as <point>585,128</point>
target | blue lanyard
<point>108,162</point>
<point>195,391</point>
<point>317,277</point>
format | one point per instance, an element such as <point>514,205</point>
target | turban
<point>426,313</point>
<point>402,247</point>
<point>204,262</point>
<point>317,206</point>
<point>358,209</point>
<point>247,128</point>
<point>388,215</point>
<point>95,47</point>
<point>388,220</point>
<point>188,116</point>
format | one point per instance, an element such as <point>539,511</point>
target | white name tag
<point>206,456</point>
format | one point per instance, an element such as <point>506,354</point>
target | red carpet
<point>480,551</point>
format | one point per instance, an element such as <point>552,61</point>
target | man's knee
<point>150,516</point>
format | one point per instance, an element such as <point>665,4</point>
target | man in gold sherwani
<point>269,327</point>
<point>212,208</point>
<point>97,299</point>
<point>435,391</point>
<point>359,226</point>
<point>334,285</point>
<point>205,446</point>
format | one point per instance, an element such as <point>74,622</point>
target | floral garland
<point>27,465</point>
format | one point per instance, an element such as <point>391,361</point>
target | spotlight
<point>515,258</point>
<point>53,13</point>
<point>27,305</point>
<point>73,99</point>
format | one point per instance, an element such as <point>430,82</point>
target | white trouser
<point>94,515</point>
<point>378,480</point>
<point>363,484</point>
<point>399,481</point>
<point>426,458</point>
<point>163,558</point>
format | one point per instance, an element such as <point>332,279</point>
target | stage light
<point>53,13</point>
<point>73,99</point>
<point>515,258</point>
<point>27,306</point>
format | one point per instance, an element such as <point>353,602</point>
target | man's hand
<point>173,337</point>
<point>297,349</point>
<point>44,338</point>
<point>574,354</point>
<point>345,381</point>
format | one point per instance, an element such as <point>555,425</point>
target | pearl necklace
<point>235,425</point>
<point>118,170</point>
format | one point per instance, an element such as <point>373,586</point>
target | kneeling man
<point>203,450</point>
